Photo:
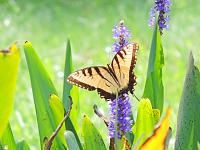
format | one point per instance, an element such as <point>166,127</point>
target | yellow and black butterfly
<point>117,78</point>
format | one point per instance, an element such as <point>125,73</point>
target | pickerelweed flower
<point>163,9</point>
<point>120,108</point>
<point>121,33</point>
<point>124,112</point>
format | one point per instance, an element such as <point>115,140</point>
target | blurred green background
<point>88,24</point>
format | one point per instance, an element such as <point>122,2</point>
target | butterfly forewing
<point>123,64</point>
<point>95,78</point>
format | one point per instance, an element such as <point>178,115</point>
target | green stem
<point>116,123</point>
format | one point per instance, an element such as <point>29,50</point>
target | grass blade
<point>71,122</point>
<point>9,64</point>
<point>188,126</point>
<point>68,69</point>
<point>42,87</point>
<point>154,86</point>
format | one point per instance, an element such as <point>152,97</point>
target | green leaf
<point>92,137</point>
<point>188,127</point>
<point>71,141</point>
<point>7,139</point>
<point>76,108</point>
<point>42,87</point>
<point>58,114</point>
<point>9,64</point>
<point>22,145</point>
<point>68,69</point>
<point>130,137</point>
<point>67,91</point>
<point>145,122</point>
<point>154,86</point>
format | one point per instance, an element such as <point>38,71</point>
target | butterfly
<point>114,79</point>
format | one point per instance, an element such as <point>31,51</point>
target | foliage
<point>154,86</point>
<point>8,139</point>
<point>9,64</point>
<point>158,138</point>
<point>147,118</point>
<point>188,126</point>
<point>92,137</point>
<point>42,88</point>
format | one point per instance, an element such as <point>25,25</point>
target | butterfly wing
<point>123,64</point>
<point>95,78</point>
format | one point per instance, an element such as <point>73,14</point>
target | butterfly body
<point>115,78</point>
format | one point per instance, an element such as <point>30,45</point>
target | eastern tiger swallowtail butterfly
<point>117,78</point>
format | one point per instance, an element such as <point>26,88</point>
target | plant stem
<point>49,142</point>
<point>116,124</point>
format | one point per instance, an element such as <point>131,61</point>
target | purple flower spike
<point>123,116</point>
<point>163,9</point>
<point>121,33</point>
<point>121,105</point>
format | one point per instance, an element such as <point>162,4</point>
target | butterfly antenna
<point>136,97</point>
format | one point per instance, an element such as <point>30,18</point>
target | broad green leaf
<point>145,122</point>
<point>67,91</point>
<point>159,137</point>
<point>7,139</point>
<point>22,145</point>
<point>58,114</point>
<point>9,64</point>
<point>92,137</point>
<point>71,141</point>
<point>188,127</point>
<point>42,87</point>
<point>154,86</point>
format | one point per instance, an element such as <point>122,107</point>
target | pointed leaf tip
<point>91,135</point>
<point>27,44</point>
<point>191,58</point>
